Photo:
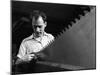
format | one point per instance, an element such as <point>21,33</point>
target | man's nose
<point>38,29</point>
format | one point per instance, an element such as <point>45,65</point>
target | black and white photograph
<point>52,37</point>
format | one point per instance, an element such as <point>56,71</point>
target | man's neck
<point>35,36</point>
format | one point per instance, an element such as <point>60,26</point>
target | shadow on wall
<point>76,46</point>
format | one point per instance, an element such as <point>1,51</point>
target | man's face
<point>38,26</point>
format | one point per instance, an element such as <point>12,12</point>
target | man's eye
<point>37,26</point>
<point>40,26</point>
<point>34,26</point>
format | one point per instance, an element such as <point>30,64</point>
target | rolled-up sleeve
<point>51,37</point>
<point>22,51</point>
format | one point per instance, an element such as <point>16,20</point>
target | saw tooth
<point>80,16</point>
<point>76,20</point>
<point>72,23</point>
<point>85,12</point>
<point>64,29</point>
<point>60,33</point>
<point>69,26</point>
<point>58,36</point>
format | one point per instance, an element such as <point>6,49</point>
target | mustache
<point>38,32</point>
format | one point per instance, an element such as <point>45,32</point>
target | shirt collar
<point>39,38</point>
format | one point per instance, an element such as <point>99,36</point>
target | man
<point>38,41</point>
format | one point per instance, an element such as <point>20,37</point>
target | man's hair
<point>36,14</point>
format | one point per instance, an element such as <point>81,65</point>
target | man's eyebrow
<point>38,26</point>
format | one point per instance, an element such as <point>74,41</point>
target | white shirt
<point>32,44</point>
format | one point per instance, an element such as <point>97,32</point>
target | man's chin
<point>38,35</point>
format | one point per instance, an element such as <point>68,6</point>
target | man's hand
<point>41,55</point>
<point>29,57</point>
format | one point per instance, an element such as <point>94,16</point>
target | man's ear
<point>45,23</point>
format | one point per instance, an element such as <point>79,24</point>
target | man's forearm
<point>19,61</point>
